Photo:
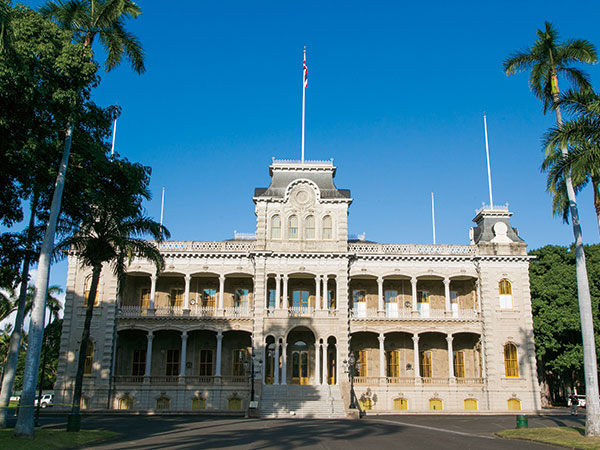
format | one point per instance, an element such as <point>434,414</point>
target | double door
<point>300,367</point>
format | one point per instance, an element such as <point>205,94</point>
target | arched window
<point>163,403</point>
<point>505,291</point>
<point>293,227</point>
<point>84,402</point>
<point>89,359</point>
<point>400,404</point>
<point>327,230</point>
<point>470,404</point>
<point>125,403</point>
<point>234,403</point>
<point>309,227</point>
<point>198,403</point>
<point>511,363</point>
<point>275,227</point>
<point>514,404</point>
<point>88,285</point>
<point>436,404</point>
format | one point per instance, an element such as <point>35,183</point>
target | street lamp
<point>249,365</point>
<point>352,366</point>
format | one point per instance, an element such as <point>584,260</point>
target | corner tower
<point>302,210</point>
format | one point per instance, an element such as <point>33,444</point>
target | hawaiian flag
<point>305,71</point>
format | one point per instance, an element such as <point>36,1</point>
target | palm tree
<point>548,59</point>
<point>86,19</point>
<point>5,17</point>
<point>582,136</point>
<point>7,305</point>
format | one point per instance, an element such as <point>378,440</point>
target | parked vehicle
<point>581,399</point>
<point>47,401</point>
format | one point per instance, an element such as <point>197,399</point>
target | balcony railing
<point>411,249</point>
<point>194,311</point>
<point>197,380</point>
<point>412,380</point>
<point>469,381</point>
<point>301,311</point>
<point>240,246</point>
<point>406,313</point>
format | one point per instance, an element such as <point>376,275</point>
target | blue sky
<point>396,96</point>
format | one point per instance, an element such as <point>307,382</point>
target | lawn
<point>564,436</point>
<point>53,439</point>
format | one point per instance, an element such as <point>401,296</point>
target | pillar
<point>277,293</point>
<point>324,363</point>
<point>276,363</point>
<point>284,362</point>
<point>318,292</point>
<point>478,293</point>
<point>416,362</point>
<point>221,292</point>
<point>317,362</point>
<point>285,293</point>
<point>449,339</point>
<point>447,294</point>
<point>186,294</point>
<point>413,282</point>
<point>153,279</point>
<point>325,294</point>
<point>219,349</point>
<point>264,367</point>
<point>382,355</point>
<point>337,362</point>
<point>482,356</point>
<point>149,337</point>
<point>380,294</point>
<point>184,337</point>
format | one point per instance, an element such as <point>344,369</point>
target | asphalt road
<point>372,433</point>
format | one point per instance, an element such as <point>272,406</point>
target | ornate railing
<point>431,380</point>
<point>301,311</point>
<point>163,380</point>
<point>411,249</point>
<point>237,311</point>
<point>409,314</point>
<point>199,380</point>
<point>207,246</point>
<point>128,379</point>
<point>328,162</point>
<point>469,381</point>
<point>243,379</point>
<point>168,311</point>
<point>400,380</point>
<point>203,311</point>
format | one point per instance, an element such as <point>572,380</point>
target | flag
<point>305,69</point>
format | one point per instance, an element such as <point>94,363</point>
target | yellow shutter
<point>400,404</point>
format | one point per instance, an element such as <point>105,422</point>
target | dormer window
<point>309,227</point>
<point>275,227</point>
<point>293,227</point>
<point>327,228</point>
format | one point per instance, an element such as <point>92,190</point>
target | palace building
<point>285,311</point>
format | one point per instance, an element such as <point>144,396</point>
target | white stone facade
<point>443,328</point>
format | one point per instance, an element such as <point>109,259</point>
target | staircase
<point>296,401</point>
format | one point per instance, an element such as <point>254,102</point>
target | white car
<point>47,400</point>
<point>581,399</point>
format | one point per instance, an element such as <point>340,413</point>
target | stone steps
<point>293,401</point>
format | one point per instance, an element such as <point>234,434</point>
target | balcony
<point>407,381</point>
<point>195,311</point>
<point>188,381</point>
<point>409,314</point>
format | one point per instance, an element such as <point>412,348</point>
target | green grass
<point>565,436</point>
<point>53,439</point>
<point>13,404</point>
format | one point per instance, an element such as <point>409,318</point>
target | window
<point>327,231</point>
<point>89,359</point>
<point>309,227</point>
<point>145,297</point>
<point>125,403</point>
<point>272,299</point>
<point>209,298</point>
<point>459,364</point>
<point>293,227</point>
<point>361,358</point>
<point>358,297</point>
<point>199,403</point>
<point>426,369</point>
<point>365,403</point>
<point>84,403</point>
<point>435,404</point>
<point>163,403</point>
<point>511,363</point>
<point>138,365</point>
<point>400,404</point>
<point>239,356</point>
<point>172,367</point>
<point>331,298</point>
<point>391,296</point>
<point>505,292</point>
<point>422,297</point>
<point>470,404</point>
<point>514,404</point>
<point>275,227</point>
<point>206,363</point>
<point>88,284</point>
<point>241,298</point>
<point>300,299</point>
<point>393,366</point>
<point>423,303</point>
<point>176,297</point>
<point>234,404</point>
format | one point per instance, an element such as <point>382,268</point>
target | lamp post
<point>351,365</point>
<point>249,366</point>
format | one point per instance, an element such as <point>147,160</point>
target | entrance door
<point>331,367</point>
<point>300,367</point>
<point>270,365</point>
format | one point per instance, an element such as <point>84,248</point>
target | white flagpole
<point>303,99</point>
<point>487,154</point>
<point>433,216</point>
<point>162,206</point>
<point>112,149</point>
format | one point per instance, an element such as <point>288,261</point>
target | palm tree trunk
<point>596,199</point>
<point>590,365</point>
<point>74,420</point>
<point>10,365</point>
<point>25,424</point>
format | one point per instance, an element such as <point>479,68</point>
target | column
<point>186,294</point>
<point>219,349</point>
<point>284,363</point>
<point>150,337</point>
<point>325,293</point>
<point>482,356</point>
<point>416,365</point>
<point>221,292</point>
<point>276,363</point>
<point>478,293</point>
<point>380,294</point>
<point>324,363</point>
<point>277,292</point>
<point>184,337</point>
<point>264,366</point>
<point>318,292</point>
<point>382,355</point>
<point>285,292</point>
<point>266,303</point>
<point>413,282</point>
<point>153,279</point>
<point>449,338</point>
<point>317,361</point>
<point>447,293</point>
<point>337,363</point>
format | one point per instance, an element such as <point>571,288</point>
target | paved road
<point>372,433</point>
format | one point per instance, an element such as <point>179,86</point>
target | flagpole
<point>304,70</point>
<point>487,154</point>
<point>433,216</point>
<point>112,149</point>
<point>162,206</point>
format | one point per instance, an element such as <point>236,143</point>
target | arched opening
<point>302,357</point>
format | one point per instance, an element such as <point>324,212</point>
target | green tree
<point>112,233</point>
<point>548,59</point>
<point>85,19</point>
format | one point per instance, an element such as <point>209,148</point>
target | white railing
<point>400,380</point>
<point>411,249</point>
<point>199,380</point>
<point>406,313</point>
<point>300,311</point>
<point>244,236</point>
<point>328,162</point>
<point>133,311</point>
<point>236,311</point>
<point>207,246</point>
<point>492,208</point>
<point>431,380</point>
<point>469,381</point>
<point>203,311</point>
<point>168,311</point>
<point>126,379</point>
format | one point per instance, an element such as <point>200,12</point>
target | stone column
<point>186,293</point>
<point>318,292</point>
<point>153,279</point>
<point>317,361</point>
<point>416,362</point>
<point>184,337</point>
<point>380,306</point>
<point>482,356</point>
<point>478,294</point>
<point>382,370</point>
<point>449,339</point>
<point>276,363</point>
<point>325,292</point>
<point>284,363</point>
<point>221,292</point>
<point>413,282</point>
<point>277,291</point>
<point>324,379</point>
<point>264,367</point>
<point>285,292</point>
<point>219,349</point>
<point>148,370</point>
<point>447,294</point>
<point>266,303</point>
<point>337,363</point>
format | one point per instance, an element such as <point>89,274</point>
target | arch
<point>514,404</point>
<point>293,228</point>
<point>298,181</point>
<point>86,290</point>
<point>436,404</point>
<point>309,227</point>
<point>470,404</point>
<point>303,327</point>
<point>511,360</point>
<point>275,224</point>
<point>505,294</point>
<point>400,404</point>
<point>125,402</point>
<point>327,227</point>
<point>204,274</point>
<point>89,358</point>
